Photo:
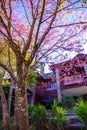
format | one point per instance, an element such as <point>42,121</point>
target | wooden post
<point>85,67</point>
<point>58,85</point>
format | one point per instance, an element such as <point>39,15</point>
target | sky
<point>75,16</point>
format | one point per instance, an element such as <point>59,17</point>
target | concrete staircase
<point>74,123</point>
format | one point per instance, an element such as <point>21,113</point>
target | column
<point>58,85</point>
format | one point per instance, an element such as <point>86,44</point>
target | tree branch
<point>36,47</point>
<point>71,24</point>
<point>61,10</point>
<point>8,70</point>
<point>25,12</point>
<point>26,46</point>
<point>40,20</point>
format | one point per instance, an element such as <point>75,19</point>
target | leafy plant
<point>37,114</point>
<point>79,98</point>
<point>58,117</point>
<point>68,102</point>
<point>54,106</point>
<point>81,111</point>
<point>40,112</point>
<point>32,79</point>
<point>31,109</point>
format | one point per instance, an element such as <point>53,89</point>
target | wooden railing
<point>73,79</point>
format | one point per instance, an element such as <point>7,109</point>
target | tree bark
<point>10,97</point>
<point>22,105</point>
<point>16,111</point>
<point>22,72</point>
<point>5,114</point>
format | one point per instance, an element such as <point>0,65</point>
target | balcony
<point>76,79</point>
<point>52,87</point>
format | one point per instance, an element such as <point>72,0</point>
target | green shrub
<point>32,79</point>
<point>37,115</point>
<point>58,117</point>
<point>79,98</point>
<point>31,110</point>
<point>40,112</point>
<point>81,111</point>
<point>68,102</point>
<point>54,106</point>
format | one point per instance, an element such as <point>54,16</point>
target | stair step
<point>77,124</point>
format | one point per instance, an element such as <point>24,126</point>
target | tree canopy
<point>33,29</point>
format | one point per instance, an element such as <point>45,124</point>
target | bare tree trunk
<point>22,94</point>
<point>23,105</point>
<point>16,111</point>
<point>5,114</point>
<point>10,97</point>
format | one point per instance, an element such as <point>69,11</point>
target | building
<point>69,78</point>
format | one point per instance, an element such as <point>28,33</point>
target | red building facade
<point>72,79</point>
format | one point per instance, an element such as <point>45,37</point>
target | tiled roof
<point>62,64</point>
<point>81,56</point>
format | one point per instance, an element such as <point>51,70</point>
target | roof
<point>81,56</point>
<point>73,60</point>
